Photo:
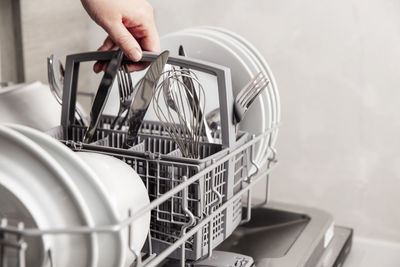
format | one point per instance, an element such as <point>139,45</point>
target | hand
<point>130,26</point>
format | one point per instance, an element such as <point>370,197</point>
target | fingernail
<point>136,55</point>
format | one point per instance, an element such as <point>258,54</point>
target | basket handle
<point>222,73</point>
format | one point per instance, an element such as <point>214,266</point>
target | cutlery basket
<point>157,160</point>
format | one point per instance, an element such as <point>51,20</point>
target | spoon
<point>55,71</point>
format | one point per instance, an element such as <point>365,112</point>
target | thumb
<point>125,40</point>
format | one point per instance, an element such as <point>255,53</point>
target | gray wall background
<point>337,64</point>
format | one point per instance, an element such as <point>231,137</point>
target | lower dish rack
<point>191,207</point>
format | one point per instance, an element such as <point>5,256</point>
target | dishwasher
<point>202,210</point>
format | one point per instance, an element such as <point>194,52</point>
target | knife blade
<point>143,97</point>
<point>102,95</point>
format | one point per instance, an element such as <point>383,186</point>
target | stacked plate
<point>245,61</point>
<point>45,185</point>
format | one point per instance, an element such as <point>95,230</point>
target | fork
<point>248,94</point>
<point>126,91</point>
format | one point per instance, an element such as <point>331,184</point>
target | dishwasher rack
<point>195,203</point>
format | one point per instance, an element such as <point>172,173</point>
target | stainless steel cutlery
<point>102,95</point>
<point>248,94</point>
<point>244,99</point>
<point>144,96</point>
<point>196,107</point>
<point>126,92</point>
<point>178,111</point>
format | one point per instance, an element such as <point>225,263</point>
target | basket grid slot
<point>218,228</point>
<point>237,209</point>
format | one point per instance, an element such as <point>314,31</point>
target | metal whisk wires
<point>176,108</point>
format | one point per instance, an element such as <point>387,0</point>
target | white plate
<point>272,87</point>
<point>262,61</point>
<point>265,97</point>
<point>206,48</point>
<point>15,211</point>
<point>111,246</point>
<point>126,192</point>
<point>31,104</point>
<point>44,187</point>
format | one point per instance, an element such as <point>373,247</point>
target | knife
<point>143,97</point>
<point>194,101</point>
<point>102,95</point>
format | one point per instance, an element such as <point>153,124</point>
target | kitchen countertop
<point>373,253</point>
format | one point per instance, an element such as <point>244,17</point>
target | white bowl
<point>31,105</point>
<point>126,191</point>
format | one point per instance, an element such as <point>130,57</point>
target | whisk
<point>178,110</point>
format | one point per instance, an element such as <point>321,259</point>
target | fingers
<point>138,66</point>
<point>130,25</point>
<point>106,46</point>
<point>148,36</point>
<point>124,39</point>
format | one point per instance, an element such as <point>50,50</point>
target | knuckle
<point>123,40</point>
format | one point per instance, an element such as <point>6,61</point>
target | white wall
<point>338,67</point>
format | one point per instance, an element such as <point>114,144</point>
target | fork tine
<point>251,91</point>
<point>128,75</point>
<point>254,96</point>
<point>124,82</point>
<point>129,80</point>
<point>248,85</point>
<point>120,87</point>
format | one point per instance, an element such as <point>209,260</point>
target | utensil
<point>102,95</point>
<point>126,93</point>
<point>176,108</point>
<point>168,95</point>
<point>55,72</point>
<point>242,103</point>
<point>248,94</point>
<point>208,48</point>
<point>213,119</point>
<point>196,107</point>
<point>144,96</point>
